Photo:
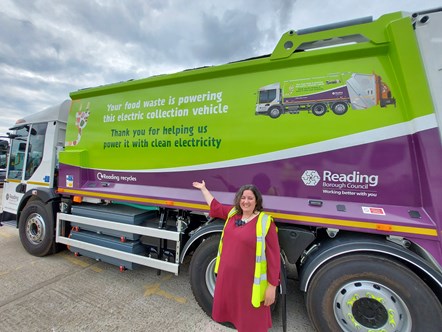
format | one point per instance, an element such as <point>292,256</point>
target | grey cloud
<point>233,37</point>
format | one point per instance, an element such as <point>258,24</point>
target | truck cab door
<point>12,194</point>
<point>26,167</point>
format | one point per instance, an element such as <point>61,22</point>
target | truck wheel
<point>275,111</point>
<point>36,229</point>
<point>364,293</point>
<point>319,109</point>
<point>339,108</point>
<point>202,277</point>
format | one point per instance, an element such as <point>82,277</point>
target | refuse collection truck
<point>317,95</point>
<point>356,198</point>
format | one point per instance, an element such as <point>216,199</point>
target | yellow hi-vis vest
<point>260,277</point>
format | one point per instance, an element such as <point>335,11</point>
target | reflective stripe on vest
<point>260,274</point>
<point>260,278</point>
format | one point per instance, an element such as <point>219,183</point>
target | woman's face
<point>247,202</point>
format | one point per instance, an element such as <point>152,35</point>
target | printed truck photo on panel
<point>318,95</point>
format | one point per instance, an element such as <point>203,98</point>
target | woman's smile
<point>248,202</point>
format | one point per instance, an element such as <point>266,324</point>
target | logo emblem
<point>310,178</point>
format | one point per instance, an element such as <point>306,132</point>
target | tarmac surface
<point>62,292</point>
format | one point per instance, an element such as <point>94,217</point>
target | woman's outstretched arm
<point>206,193</point>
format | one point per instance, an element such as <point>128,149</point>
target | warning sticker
<point>69,181</point>
<point>373,210</point>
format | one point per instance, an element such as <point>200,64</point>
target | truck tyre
<point>202,276</point>
<point>363,292</point>
<point>319,109</point>
<point>36,229</point>
<point>275,112</point>
<point>339,108</point>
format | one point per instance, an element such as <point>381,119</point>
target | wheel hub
<point>340,108</point>
<point>370,313</point>
<point>35,228</point>
<point>365,306</point>
<point>211,277</point>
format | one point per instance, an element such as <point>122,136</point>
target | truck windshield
<point>17,156</point>
<point>267,96</point>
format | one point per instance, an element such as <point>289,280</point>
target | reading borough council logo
<point>310,178</point>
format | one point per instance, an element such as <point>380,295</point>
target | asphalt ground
<point>63,292</point>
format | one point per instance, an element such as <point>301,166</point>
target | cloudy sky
<point>49,48</point>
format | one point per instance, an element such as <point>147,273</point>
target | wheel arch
<point>45,195</point>
<point>214,227</point>
<point>345,245</point>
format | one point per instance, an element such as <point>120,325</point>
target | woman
<point>241,298</point>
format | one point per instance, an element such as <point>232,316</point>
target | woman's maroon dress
<point>233,290</point>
